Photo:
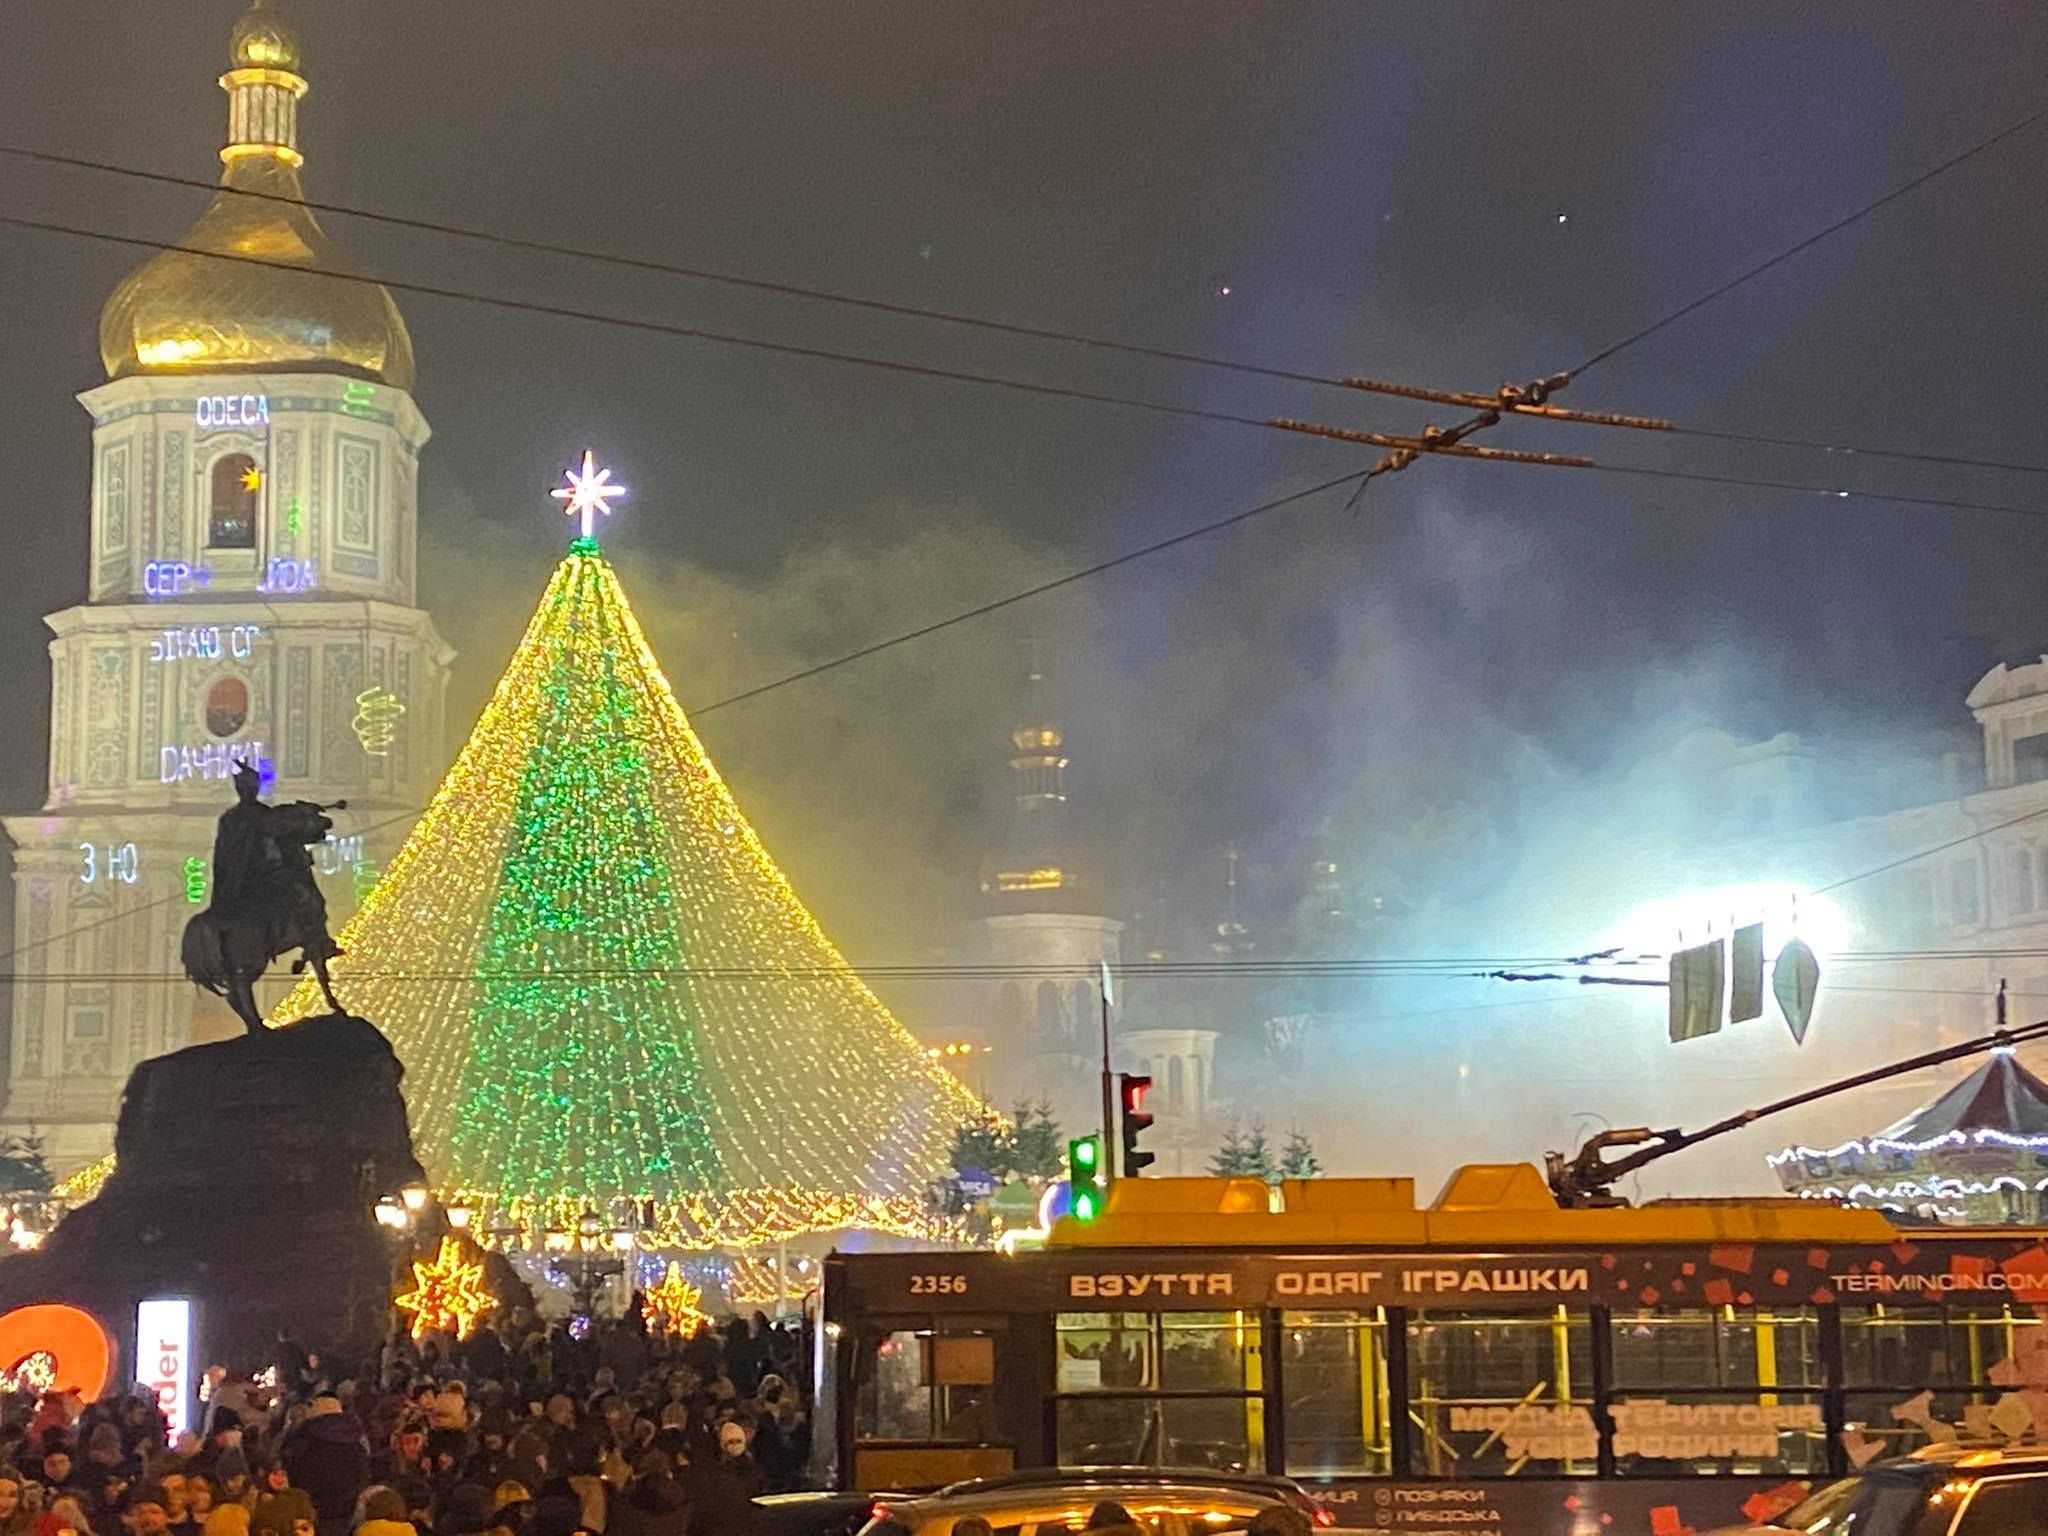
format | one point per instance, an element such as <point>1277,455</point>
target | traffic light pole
<point>1108,1093</point>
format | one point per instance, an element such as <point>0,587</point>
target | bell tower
<point>251,593</point>
<point>1044,922</point>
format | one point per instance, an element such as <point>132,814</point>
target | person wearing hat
<point>329,1458</point>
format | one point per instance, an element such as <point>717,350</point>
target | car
<point>818,1514</point>
<point>1165,1501</point>
<point>1945,1490</point>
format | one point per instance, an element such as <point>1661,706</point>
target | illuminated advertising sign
<point>216,411</point>
<point>163,1357</point>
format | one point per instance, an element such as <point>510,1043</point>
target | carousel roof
<point>2000,1096</point>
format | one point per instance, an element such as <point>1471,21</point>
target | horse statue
<point>265,900</point>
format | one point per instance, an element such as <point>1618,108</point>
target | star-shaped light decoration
<point>252,479</point>
<point>448,1295</point>
<point>588,493</point>
<point>672,1305</point>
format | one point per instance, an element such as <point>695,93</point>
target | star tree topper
<point>588,493</point>
<point>672,1305</point>
<point>448,1295</point>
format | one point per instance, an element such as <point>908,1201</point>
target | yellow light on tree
<point>672,1306</point>
<point>448,1295</point>
<point>603,989</point>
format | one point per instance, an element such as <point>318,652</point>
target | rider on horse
<point>265,899</point>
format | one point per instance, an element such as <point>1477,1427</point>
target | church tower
<point>1043,919</point>
<point>251,593</point>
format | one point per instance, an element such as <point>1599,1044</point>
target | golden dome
<point>261,41</point>
<point>181,312</point>
<point>278,307</point>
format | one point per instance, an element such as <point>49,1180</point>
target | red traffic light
<point>1131,1090</point>
<point>1135,1086</point>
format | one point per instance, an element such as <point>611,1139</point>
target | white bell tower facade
<point>251,595</point>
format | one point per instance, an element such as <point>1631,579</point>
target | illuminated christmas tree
<point>606,996</point>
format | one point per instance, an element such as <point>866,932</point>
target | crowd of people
<point>518,1431</point>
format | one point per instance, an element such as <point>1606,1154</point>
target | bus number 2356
<point>938,1285</point>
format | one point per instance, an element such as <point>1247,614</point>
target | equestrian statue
<point>265,899</point>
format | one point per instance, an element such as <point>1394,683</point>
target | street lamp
<point>415,1197</point>
<point>391,1213</point>
<point>459,1212</point>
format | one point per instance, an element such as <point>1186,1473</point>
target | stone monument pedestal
<point>246,1178</point>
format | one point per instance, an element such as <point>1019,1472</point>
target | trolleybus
<point>1488,1362</point>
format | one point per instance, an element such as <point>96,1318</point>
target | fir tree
<point>983,1144</point>
<point>1037,1149</point>
<point>1298,1158</point>
<point>1258,1156</point>
<point>1243,1155</point>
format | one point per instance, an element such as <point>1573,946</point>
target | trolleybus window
<point>1334,1393</point>
<point>1502,1394</point>
<point>1917,1375</point>
<point>1717,1389</point>
<point>1160,1389</point>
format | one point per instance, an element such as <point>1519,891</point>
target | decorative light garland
<point>448,1294</point>
<point>79,1187</point>
<point>1931,1189</point>
<point>1983,1137</point>
<point>579,860</point>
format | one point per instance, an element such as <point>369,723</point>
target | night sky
<point>1452,195</point>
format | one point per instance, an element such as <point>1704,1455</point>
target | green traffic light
<point>1087,1204</point>
<point>1084,1156</point>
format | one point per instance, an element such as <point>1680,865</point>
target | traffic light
<point>1132,1088</point>
<point>1084,1176</point>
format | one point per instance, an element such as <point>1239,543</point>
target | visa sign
<point>163,1357</point>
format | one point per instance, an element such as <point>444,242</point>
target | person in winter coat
<point>510,1504</point>
<point>556,1514</point>
<point>63,1515</point>
<point>654,1504</point>
<point>284,1512</point>
<point>329,1458</point>
<point>527,1461</point>
<point>16,1518</point>
<point>466,1511</point>
<point>722,1489</point>
<point>382,1513</point>
<point>227,1520</point>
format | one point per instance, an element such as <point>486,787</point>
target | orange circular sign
<point>81,1353</point>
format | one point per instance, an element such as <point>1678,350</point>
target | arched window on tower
<point>1176,1085</point>
<point>1051,1027</point>
<point>231,514</point>
<point>1082,1005</point>
<point>1201,1104</point>
<point>1010,1012</point>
